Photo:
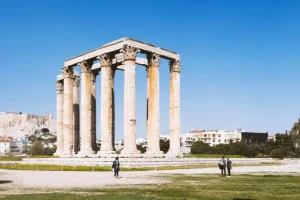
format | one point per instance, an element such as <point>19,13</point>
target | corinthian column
<point>76,124</point>
<point>129,100</point>
<point>68,112</point>
<point>107,123</point>
<point>174,150</point>
<point>85,110</point>
<point>59,116</point>
<point>93,108</point>
<point>153,120</point>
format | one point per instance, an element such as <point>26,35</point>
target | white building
<point>187,140</point>
<point>164,137</point>
<point>4,147</point>
<point>141,141</point>
<point>19,146</point>
<point>215,137</point>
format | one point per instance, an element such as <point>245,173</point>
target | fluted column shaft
<point>59,117</point>
<point>175,109</point>
<point>93,108</point>
<point>153,119</point>
<point>85,109</point>
<point>68,112</point>
<point>106,124</point>
<point>129,100</point>
<point>76,117</point>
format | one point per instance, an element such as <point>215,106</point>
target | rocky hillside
<point>18,125</point>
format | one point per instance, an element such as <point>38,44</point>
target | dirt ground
<point>15,182</point>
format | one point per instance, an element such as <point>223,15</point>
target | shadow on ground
<point>4,182</point>
<point>242,199</point>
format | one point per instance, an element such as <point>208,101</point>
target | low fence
<point>147,162</point>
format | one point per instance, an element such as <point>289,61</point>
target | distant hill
<point>16,125</point>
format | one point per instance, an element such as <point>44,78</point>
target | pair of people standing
<point>223,165</point>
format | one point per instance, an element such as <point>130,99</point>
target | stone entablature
<point>115,46</point>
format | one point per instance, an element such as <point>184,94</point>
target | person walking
<point>229,166</point>
<point>116,167</point>
<point>222,166</point>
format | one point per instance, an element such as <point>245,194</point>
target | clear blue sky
<point>240,59</point>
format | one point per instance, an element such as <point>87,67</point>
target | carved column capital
<point>105,60</point>
<point>76,81</point>
<point>59,87</point>
<point>67,72</point>
<point>94,74</point>
<point>153,59</point>
<point>129,52</point>
<point>175,66</point>
<point>85,66</point>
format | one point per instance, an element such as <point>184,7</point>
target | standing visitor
<point>116,167</point>
<point>229,166</point>
<point>222,166</point>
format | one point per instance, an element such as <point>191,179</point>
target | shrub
<point>36,148</point>
<point>200,147</point>
<point>280,152</point>
<point>164,145</point>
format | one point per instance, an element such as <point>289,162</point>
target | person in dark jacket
<point>222,166</point>
<point>116,167</point>
<point>229,166</point>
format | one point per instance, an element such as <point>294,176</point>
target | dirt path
<point>40,181</point>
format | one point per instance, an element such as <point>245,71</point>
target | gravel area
<point>41,181</point>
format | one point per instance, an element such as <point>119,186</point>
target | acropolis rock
<point>16,125</point>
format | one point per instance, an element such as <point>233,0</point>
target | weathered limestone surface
<point>76,113</point>
<point>67,112</point>
<point>59,117</point>
<point>85,110</point>
<point>175,109</point>
<point>129,100</point>
<point>153,120</point>
<point>117,45</point>
<point>126,60</point>
<point>106,123</point>
<point>93,108</point>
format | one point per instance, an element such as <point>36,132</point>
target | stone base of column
<point>129,150</point>
<point>84,153</point>
<point>130,155</point>
<point>153,154</point>
<point>66,156</point>
<point>58,153</point>
<point>107,154</point>
<point>174,154</point>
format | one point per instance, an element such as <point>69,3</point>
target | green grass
<point>182,187</point>
<point>44,167</point>
<point>213,156</point>
<point>11,158</point>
